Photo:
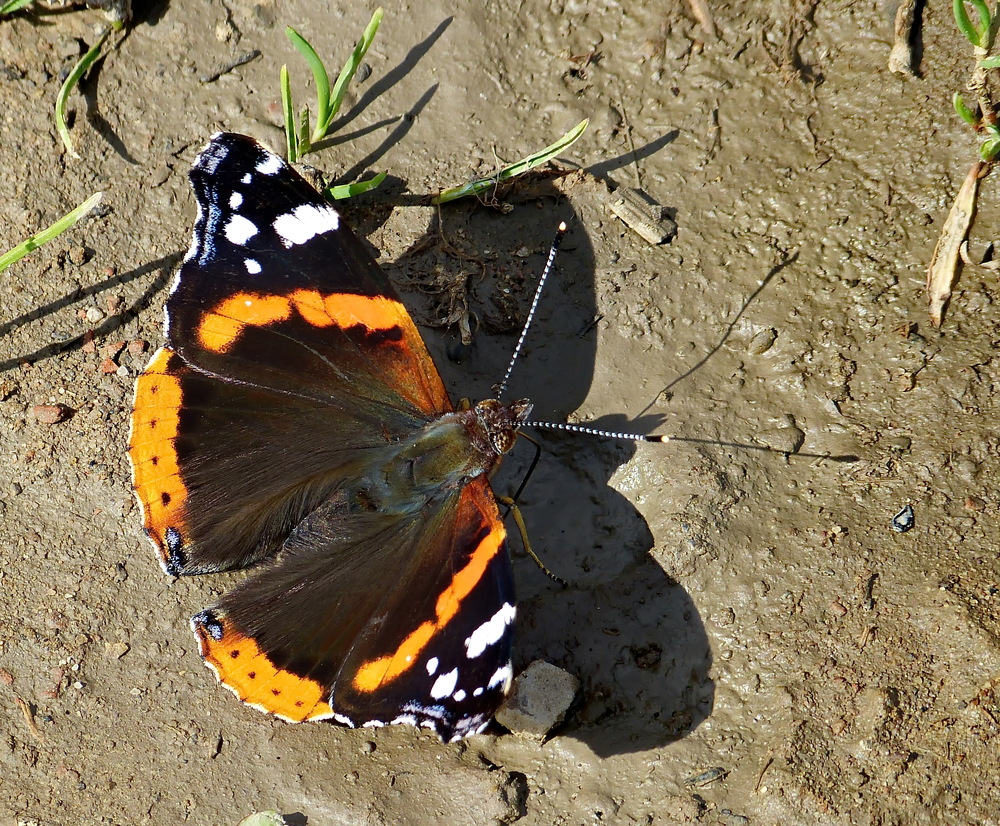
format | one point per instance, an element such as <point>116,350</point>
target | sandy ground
<point>756,644</point>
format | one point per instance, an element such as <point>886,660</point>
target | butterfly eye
<point>503,441</point>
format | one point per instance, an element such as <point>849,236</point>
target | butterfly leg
<point>523,530</point>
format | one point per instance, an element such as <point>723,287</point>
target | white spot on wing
<point>239,230</point>
<point>246,178</point>
<point>490,631</point>
<point>235,200</point>
<point>432,665</point>
<point>502,676</point>
<point>253,267</point>
<point>444,685</point>
<point>343,719</point>
<point>305,222</point>
<point>458,696</point>
<point>477,692</point>
<point>271,165</point>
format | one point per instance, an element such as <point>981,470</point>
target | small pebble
<point>69,48</point>
<point>263,819</point>
<point>900,444</point>
<point>108,366</point>
<point>112,349</point>
<point>94,315</point>
<point>50,413</point>
<point>706,777</point>
<point>138,346</point>
<point>159,176</point>
<point>78,255</point>
<point>762,341</point>
<point>116,650</point>
<point>786,439</point>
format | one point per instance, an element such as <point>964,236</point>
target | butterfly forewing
<point>276,290</point>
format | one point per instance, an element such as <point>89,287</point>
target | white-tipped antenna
<point>593,431</point>
<point>500,388</point>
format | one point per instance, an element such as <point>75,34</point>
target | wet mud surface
<point>756,644</point>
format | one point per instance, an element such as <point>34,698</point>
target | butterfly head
<point>500,421</point>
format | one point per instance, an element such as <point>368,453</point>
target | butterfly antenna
<point>593,431</point>
<point>502,387</point>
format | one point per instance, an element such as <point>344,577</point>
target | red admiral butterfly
<point>296,416</point>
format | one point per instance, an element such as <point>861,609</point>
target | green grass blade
<point>46,235</point>
<point>339,193</point>
<point>291,139</point>
<point>319,75</point>
<point>347,74</point>
<point>12,6</point>
<point>514,169</point>
<point>964,23</point>
<point>990,63</point>
<point>964,112</point>
<point>79,70</point>
<point>305,145</point>
<point>984,19</point>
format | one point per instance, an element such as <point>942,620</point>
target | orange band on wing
<point>376,672</point>
<point>221,327</point>
<point>156,475</point>
<point>244,669</point>
<point>347,310</point>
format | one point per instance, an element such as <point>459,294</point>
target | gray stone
<point>539,700</point>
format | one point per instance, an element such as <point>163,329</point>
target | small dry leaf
<point>943,269</point>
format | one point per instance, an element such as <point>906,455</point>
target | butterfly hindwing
<point>433,650</point>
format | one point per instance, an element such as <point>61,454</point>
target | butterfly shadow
<point>162,266</point>
<point>629,631</point>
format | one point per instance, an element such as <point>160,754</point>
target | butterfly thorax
<point>441,457</point>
